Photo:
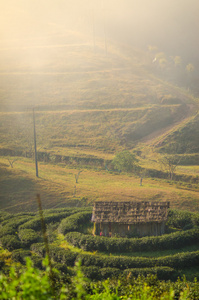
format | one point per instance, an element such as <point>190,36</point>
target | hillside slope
<point>85,98</point>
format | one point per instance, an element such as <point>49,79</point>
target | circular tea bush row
<point>35,223</point>
<point>162,273</point>
<point>68,258</point>
<point>115,245</point>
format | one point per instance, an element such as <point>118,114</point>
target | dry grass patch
<point>57,187</point>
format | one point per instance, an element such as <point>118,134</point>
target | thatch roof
<point>129,212</point>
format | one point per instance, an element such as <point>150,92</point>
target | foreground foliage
<point>31,283</point>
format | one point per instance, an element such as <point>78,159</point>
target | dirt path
<point>156,138</point>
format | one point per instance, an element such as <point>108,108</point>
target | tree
<point>77,176</point>
<point>190,68</point>
<point>125,161</point>
<point>170,163</point>
<point>171,160</point>
<point>11,162</point>
<point>177,61</point>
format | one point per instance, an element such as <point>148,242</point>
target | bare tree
<point>77,176</point>
<point>170,164</point>
<point>12,162</point>
<point>171,161</point>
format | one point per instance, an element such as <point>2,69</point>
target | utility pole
<point>104,25</point>
<point>35,144</point>
<point>93,19</point>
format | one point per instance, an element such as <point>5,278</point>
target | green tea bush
<point>10,226</point>
<point>30,283</point>
<point>39,249</point>
<point>61,268</point>
<point>5,230</point>
<point>2,264</point>
<point>67,257</point>
<point>74,222</point>
<point>58,254</point>
<point>181,219</point>
<point>10,242</point>
<point>16,221</point>
<point>162,273</point>
<point>19,255</point>
<point>28,237</point>
<point>35,223</point>
<point>63,256</point>
<point>121,245</point>
<point>37,262</point>
<point>181,260</point>
<point>4,216</point>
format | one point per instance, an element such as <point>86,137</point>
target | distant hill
<point>88,99</point>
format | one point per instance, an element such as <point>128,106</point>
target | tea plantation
<point>70,239</point>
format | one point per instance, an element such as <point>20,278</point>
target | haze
<point>170,25</point>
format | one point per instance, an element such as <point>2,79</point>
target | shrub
<point>5,230</point>
<point>35,223</point>
<point>121,245</point>
<point>10,226</point>
<point>178,261</point>
<point>162,273</point>
<point>74,222</point>
<point>2,264</point>
<point>19,255</point>
<point>39,249</point>
<point>179,219</point>
<point>28,237</point>
<point>58,254</point>
<point>10,242</point>
<point>16,221</point>
<point>61,268</point>
<point>125,161</point>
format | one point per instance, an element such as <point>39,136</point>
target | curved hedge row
<point>178,261</point>
<point>165,242</point>
<point>10,226</point>
<point>58,254</point>
<point>162,273</point>
<point>182,260</point>
<point>35,223</point>
<point>100,267</point>
<point>74,222</point>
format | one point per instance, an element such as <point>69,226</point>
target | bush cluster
<point>67,257</point>
<point>58,254</point>
<point>10,226</point>
<point>74,222</point>
<point>11,242</point>
<point>182,219</point>
<point>28,237</point>
<point>19,255</point>
<point>162,273</point>
<point>50,218</point>
<point>118,245</point>
<point>181,260</point>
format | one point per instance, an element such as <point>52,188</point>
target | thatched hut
<point>130,218</point>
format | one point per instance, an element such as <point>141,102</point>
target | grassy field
<point>58,188</point>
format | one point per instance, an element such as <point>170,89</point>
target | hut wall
<point>148,229</point>
<point>123,230</point>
